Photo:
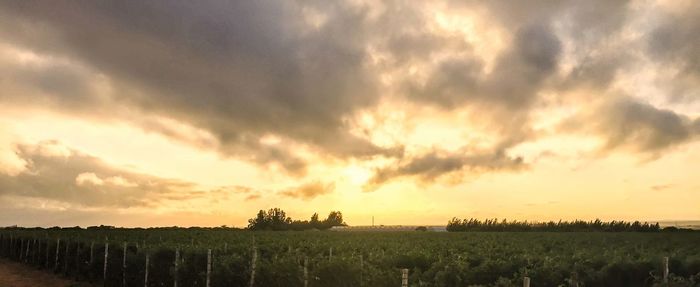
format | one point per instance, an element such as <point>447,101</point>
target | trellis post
<point>208,267</point>
<point>104,267</point>
<point>252,266</point>
<point>145,277</point>
<point>665,262</point>
<point>404,277</point>
<point>58,244</point>
<point>177,261</point>
<point>306,271</point>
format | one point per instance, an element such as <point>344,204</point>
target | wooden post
<point>46,261</point>
<point>32,252</point>
<point>404,277</point>
<point>665,261</point>
<point>37,252</point>
<point>124,266</point>
<point>225,247</point>
<point>306,271</point>
<point>252,266</point>
<point>21,248</point>
<point>145,277</point>
<point>526,281</point>
<point>58,244</point>
<point>77,260</point>
<point>177,259</point>
<point>65,259</point>
<point>104,267</point>
<point>330,254</point>
<point>208,268</point>
<point>362,263</point>
<point>26,252</point>
<point>574,279</point>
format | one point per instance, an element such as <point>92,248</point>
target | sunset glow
<point>412,112</point>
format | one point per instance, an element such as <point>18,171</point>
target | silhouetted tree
<point>456,224</point>
<point>277,219</point>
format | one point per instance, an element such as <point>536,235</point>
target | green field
<point>359,258</point>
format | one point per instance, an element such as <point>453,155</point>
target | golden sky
<point>201,113</point>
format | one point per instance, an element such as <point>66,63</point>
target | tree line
<point>457,225</point>
<point>276,219</point>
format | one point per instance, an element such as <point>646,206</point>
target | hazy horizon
<point>184,113</point>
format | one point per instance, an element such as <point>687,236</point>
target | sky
<point>162,113</point>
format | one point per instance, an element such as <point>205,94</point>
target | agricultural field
<point>227,257</point>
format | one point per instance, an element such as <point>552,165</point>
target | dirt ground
<point>13,274</point>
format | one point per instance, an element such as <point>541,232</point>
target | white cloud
<point>88,178</point>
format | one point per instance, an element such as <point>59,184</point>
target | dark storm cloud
<point>237,69</point>
<point>626,123</point>
<point>533,55</point>
<point>643,127</point>
<point>675,44</point>
<point>309,190</point>
<point>428,167</point>
<point>75,178</point>
<point>512,85</point>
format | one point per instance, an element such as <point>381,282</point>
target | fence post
<point>58,244</point>
<point>177,259</point>
<point>330,254</point>
<point>306,271</point>
<point>665,261</point>
<point>26,253</point>
<point>21,249</point>
<point>65,259</point>
<point>208,267</point>
<point>77,260</point>
<point>362,263</point>
<point>526,281</point>
<point>46,261</point>
<point>404,277</point>
<point>124,265</point>
<point>574,279</point>
<point>104,267</point>
<point>37,252</point>
<point>145,279</point>
<point>252,266</point>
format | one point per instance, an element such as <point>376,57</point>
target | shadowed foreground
<point>13,274</point>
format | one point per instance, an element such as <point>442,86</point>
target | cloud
<point>267,72</point>
<point>224,75</point>
<point>75,178</point>
<point>88,178</point>
<point>642,127</point>
<point>661,187</point>
<point>433,165</point>
<point>672,44</point>
<point>309,190</point>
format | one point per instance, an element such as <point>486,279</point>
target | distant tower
<point>372,220</point>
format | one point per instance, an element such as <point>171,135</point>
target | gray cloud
<point>238,70</point>
<point>674,43</point>
<point>430,166</point>
<point>309,190</point>
<point>512,85</point>
<point>626,123</point>
<point>642,126</point>
<point>75,178</point>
